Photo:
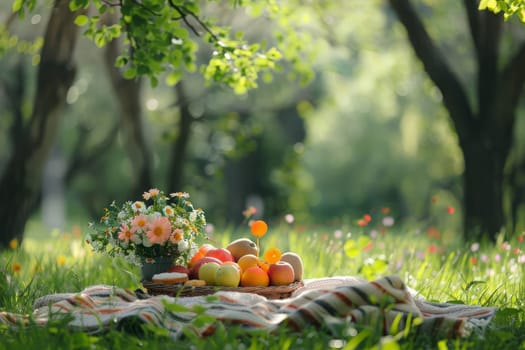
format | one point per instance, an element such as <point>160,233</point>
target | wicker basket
<point>271,292</point>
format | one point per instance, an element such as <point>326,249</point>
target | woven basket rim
<point>271,292</point>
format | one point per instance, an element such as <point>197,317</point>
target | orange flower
<point>259,228</point>
<point>61,260</point>
<point>13,244</point>
<point>272,255</point>
<point>17,267</point>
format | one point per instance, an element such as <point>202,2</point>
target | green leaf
<point>17,5</point>
<point>130,73</point>
<point>173,78</point>
<point>81,20</point>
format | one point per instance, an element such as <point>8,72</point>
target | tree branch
<point>471,8</point>
<point>454,96</point>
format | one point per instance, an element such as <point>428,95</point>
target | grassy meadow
<point>433,262</point>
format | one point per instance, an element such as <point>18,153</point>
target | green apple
<point>228,275</point>
<point>208,271</point>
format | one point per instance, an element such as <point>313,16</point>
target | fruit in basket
<point>281,273</point>
<point>296,262</point>
<point>208,272</point>
<point>254,277</point>
<point>194,270</point>
<point>247,260</point>
<point>241,247</point>
<point>222,254</point>
<point>201,253</point>
<point>228,275</point>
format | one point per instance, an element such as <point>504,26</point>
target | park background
<point>352,126</point>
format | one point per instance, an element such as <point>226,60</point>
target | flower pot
<point>152,266</point>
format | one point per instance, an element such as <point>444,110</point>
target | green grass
<point>434,263</point>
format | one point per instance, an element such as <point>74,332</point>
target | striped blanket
<point>325,303</point>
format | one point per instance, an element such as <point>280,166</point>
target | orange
<point>254,276</point>
<point>201,253</point>
<point>272,255</point>
<point>247,260</point>
<point>259,228</point>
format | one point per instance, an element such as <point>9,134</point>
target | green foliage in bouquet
<point>159,226</point>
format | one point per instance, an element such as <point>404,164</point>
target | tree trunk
<point>483,190</point>
<point>21,181</point>
<point>485,137</point>
<point>180,146</point>
<point>128,93</point>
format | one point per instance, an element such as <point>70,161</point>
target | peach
<point>222,254</point>
<point>281,273</point>
<point>194,271</point>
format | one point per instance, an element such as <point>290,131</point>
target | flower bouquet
<point>159,227</point>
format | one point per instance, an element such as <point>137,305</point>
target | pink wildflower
<point>139,223</point>
<point>159,230</point>
<point>125,233</point>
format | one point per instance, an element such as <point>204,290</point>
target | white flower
<point>193,216</point>
<point>139,206</point>
<point>183,245</point>
<point>121,215</point>
<point>168,211</point>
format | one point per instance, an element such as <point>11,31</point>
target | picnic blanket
<point>325,303</point>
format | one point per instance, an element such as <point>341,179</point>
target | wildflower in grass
<point>484,258</point>
<point>367,218</point>
<point>474,247</point>
<point>369,246</point>
<point>521,259</point>
<point>13,244</point>
<point>289,218</point>
<point>338,234</point>
<point>61,260</point>
<point>362,222</point>
<point>126,234</point>
<point>497,258</point>
<point>385,210</point>
<point>16,268</point>
<point>432,249</point>
<point>433,233</point>
<point>520,238</point>
<point>516,251</point>
<point>159,230</point>
<point>451,210</point>
<point>388,221</point>
<point>473,260</point>
<point>373,234</point>
<point>505,246</point>
<point>249,212</point>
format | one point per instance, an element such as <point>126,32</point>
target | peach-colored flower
<point>125,233</point>
<point>139,222</point>
<point>159,230</point>
<point>153,192</point>
<point>177,235</point>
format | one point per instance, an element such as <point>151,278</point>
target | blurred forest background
<point>366,130</point>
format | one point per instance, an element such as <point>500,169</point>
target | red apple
<point>194,271</point>
<point>281,273</point>
<point>222,254</point>
<point>179,268</point>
